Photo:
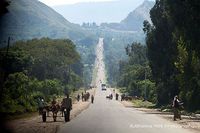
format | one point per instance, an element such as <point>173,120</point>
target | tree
<point>162,52</point>
<point>38,68</point>
<point>17,60</point>
<point>185,15</point>
<point>173,50</point>
<point>16,96</point>
<point>3,7</point>
<point>52,58</point>
<point>135,74</point>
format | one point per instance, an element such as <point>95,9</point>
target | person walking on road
<point>67,104</point>
<point>176,105</point>
<point>122,97</point>
<point>117,96</point>
<point>82,97</point>
<point>92,99</point>
<point>41,105</point>
<point>111,96</point>
<point>78,97</point>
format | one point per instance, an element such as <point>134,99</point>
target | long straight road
<point>110,116</point>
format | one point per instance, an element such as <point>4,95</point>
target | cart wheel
<point>44,117</point>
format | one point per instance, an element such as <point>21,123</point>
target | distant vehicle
<point>103,87</point>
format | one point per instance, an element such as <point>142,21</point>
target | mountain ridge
<point>29,19</point>
<point>98,12</point>
<point>141,13</point>
<point>134,20</point>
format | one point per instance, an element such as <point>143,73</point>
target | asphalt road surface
<point>110,116</point>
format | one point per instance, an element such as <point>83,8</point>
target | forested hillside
<point>28,19</point>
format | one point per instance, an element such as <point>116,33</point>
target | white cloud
<point>63,2</point>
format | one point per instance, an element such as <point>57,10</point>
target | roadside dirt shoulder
<point>35,125</point>
<point>189,122</point>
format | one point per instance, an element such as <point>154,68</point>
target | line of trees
<point>86,48</point>
<point>135,74</point>
<point>174,51</point>
<point>37,68</point>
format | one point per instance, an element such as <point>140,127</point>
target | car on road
<point>103,87</point>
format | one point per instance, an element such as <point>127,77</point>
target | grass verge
<point>142,104</point>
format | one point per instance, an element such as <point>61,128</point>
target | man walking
<point>92,98</point>
<point>117,95</point>
<point>78,97</point>
<point>176,106</point>
<point>67,104</point>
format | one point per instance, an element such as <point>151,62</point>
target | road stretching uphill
<point>99,69</point>
<point>110,116</point>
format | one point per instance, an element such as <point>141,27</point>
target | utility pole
<point>145,90</point>
<point>4,72</point>
<point>5,59</point>
<point>69,73</point>
<point>8,46</point>
<point>145,77</point>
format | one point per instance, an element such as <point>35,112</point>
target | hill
<point>134,20</point>
<point>29,19</point>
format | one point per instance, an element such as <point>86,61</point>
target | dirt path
<point>35,125</point>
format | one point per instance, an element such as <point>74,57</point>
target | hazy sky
<point>65,2</point>
<point>92,12</point>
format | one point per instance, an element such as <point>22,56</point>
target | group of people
<point>67,104</point>
<point>55,106</point>
<point>85,97</point>
<point>111,96</point>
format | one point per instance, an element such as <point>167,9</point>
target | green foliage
<point>132,73</point>
<point>16,96</point>
<point>114,52</point>
<point>162,52</point>
<point>186,21</point>
<point>187,38</point>
<point>173,51</point>
<point>150,90</point>
<point>16,60</point>
<point>51,57</point>
<point>50,88</point>
<point>143,104</point>
<point>35,69</point>
<point>137,54</point>
<point>86,48</point>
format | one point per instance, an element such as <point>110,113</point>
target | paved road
<point>110,116</point>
